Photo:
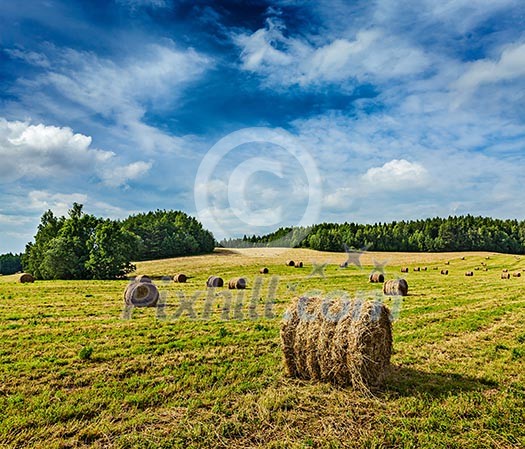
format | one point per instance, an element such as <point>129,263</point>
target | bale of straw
<point>445,272</point>
<point>264,270</point>
<point>237,283</point>
<point>395,287</point>
<point>26,278</point>
<point>343,265</point>
<point>417,268</point>
<point>463,258</point>
<point>505,270</point>
<point>469,273</point>
<point>516,274</point>
<point>142,278</point>
<point>376,277</point>
<point>298,265</point>
<point>447,262</point>
<point>141,294</point>
<point>404,270</point>
<point>214,281</point>
<point>505,275</point>
<point>424,268</point>
<point>290,263</point>
<point>338,340</point>
<point>180,277</point>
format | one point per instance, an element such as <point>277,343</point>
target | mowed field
<point>74,373</point>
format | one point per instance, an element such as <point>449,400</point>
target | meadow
<point>75,373</point>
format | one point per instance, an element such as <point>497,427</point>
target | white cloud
<point>396,174</point>
<point>135,4</point>
<point>372,54</point>
<point>31,57</point>
<point>511,65</point>
<point>51,152</point>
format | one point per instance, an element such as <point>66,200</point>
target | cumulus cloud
<point>396,174</point>
<point>40,152</point>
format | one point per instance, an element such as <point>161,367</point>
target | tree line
<point>10,263</point>
<point>82,246</point>
<point>457,233</point>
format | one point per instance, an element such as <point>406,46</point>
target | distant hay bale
<point>445,272</point>
<point>417,268</point>
<point>237,283</point>
<point>395,287</point>
<point>214,281</point>
<point>505,275</point>
<point>463,258</point>
<point>469,273</point>
<point>264,270</point>
<point>141,294</point>
<point>298,265</point>
<point>290,263</point>
<point>404,270</point>
<point>424,268</point>
<point>447,262</point>
<point>180,278</point>
<point>343,265</point>
<point>505,270</point>
<point>477,268</point>
<point>345,342</point>
<point>142,278</point>
<point>376,277</point>
<point>516,274</point>
<point>26,278</point>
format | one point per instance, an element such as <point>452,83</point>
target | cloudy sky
<point>256,114</point>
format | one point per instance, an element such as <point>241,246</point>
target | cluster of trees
<point>464,233</point>
<point>82,246</point>
<point>10,263</point>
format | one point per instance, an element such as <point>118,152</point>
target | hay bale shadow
<point>402,381</point>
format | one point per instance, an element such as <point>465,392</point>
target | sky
<point>251,115</point>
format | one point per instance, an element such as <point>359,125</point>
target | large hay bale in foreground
<point>141,294</point>
<point>264,270</point>
<point>395,287</point>
<point>290,263</point>
<point>346,342</point>
<point>180,277</point>
<point>376,277</point>
<point>214,281</point>
<point>237,283</point>
<point>26,278</point>
<point>142,278</point>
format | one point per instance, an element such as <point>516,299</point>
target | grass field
<point>75,374</point>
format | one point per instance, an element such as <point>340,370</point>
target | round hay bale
<point>463,258</point>
<point>142,278</point>
<point>516,274</point>
<point>477,268</point>
<point>447,262</point>
<point>26,278</point>
<point>237,283</point>
<point>445,272</point>
<point>343,265</point>
<point>404,270</point>
<point>298,265</point>
<point>424,268</point>
<point>345,342</point>
<point>264,270</point>
<point>180,277</point>
<point>141,294</point>
<point>214,281</point>
<point>417,268</point>
<point>469,273</point>
<point>505,270</point>
<point>376,277</point>
<point>395,287</point>
<point>505,275</point>
<point>290,263</point>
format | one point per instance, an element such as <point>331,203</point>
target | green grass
<point>75,374</point>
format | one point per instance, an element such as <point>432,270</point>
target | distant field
<point>75,374</point>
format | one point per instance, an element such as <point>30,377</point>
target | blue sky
<point>379,110</point>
